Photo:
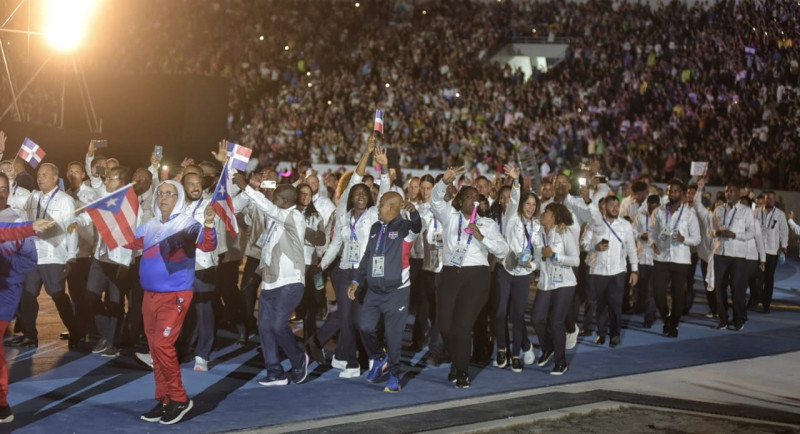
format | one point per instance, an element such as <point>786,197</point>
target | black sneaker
<point>462,380</point>
<point>501,359</point>
<point>516,364</point>
<point>6,416</point>
<point>300,374</point>
<point>560,369</point>
<point>601,340</point>
<point>175,412</point>
<point>544,359</point>
<point>110,351</point>
<point>614,341</point>
<point>23,342</point>
<point>737,327</point>
<point>101,346</point>
<point>155,414</point>
<point>451,376</point>
<point>721,326</point>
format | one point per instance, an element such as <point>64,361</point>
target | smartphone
<point>582,182</point>
<point>602,179</point>
<point>100,170</point>
<point>269,184</point>
<point>159,150</point>
<point>100,144</point>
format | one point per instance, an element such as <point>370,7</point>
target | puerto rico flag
<point>223,202</point>
<point>239,156</point>
<point>379,121</point>
<point>115,216</point>
<point>31,152</point>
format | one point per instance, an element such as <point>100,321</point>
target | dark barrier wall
<point>185,114</point>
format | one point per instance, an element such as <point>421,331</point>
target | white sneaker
<point>339,364</point>
<point>528,357</point>
<point>572,339</point>
<point>200,364</point>
<point>350,373</point>
<point>145,358</point>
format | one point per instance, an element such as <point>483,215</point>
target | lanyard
<point>675,227</point>
<point>646,222</point>
<point>500,222</point>
<point>546,238</point>
<point>528,235</point>
<point>380,238</point>
<point>39,204</point>
<point>435,223</point>
<point>771,215</point>
<point>460,221</point>
<point>725,216</point>
<point>353,221</point>
<point>198,206</point>
<point>613,232</point>
<point>270,231</point>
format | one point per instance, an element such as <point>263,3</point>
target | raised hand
<point>187,162</point>
<point>255,180</point>
<point>511,171</point>
<point>90,151</point>
<point>451,173</point>
<point>380,157</point>
<point>372,143</point>
<point>409,207</point>
<point>222,153</point>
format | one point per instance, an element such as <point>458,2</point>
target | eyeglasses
<point>169,194</point>
<point>116,178</point>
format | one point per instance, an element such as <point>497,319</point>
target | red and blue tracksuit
<point>17,257</point>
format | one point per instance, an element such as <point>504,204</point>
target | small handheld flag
<point>379,121</point>
<point>114,216</point>
<point>239,156</point>
<point>31,152</point>
<point>222,202</point>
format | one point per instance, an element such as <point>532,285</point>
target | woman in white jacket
<point>556,253</point>
<point>514,277</point>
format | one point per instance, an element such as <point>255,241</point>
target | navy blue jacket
<point>396,239</point>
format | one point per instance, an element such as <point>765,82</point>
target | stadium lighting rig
<point>64,26</point>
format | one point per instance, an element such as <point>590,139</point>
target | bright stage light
<point>66,22</point>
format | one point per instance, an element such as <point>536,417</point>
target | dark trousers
<point>133,327</point>
<point>76,283</point>
<point>307,308</point>
<point>462,294</point>
<point>345,319</point>
<point>512,301</point>
<point>734,272</point>
<point>108,312</point>
<point>581,296</point>
<point>392,306</point>
<point>200,328</point>
<point>645,303</point>
<point>608,292</point>
<point>228,290</point>
<point>419,302</point>
<point>250,282</point>
<point>755,281</point>
<point>435,342</point>
<point>3,368</point>
<point>688,301</point>
<point>769,280</point>
<point>53,277</point>
<point>711,296</point>
<point>549,314</point>
<point>275,307</point>
<point>674,275</point>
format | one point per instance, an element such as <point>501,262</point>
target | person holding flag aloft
<point>111,260</point>
<point>169,242</point>
<point>465,276</point>
<point>355,215</point>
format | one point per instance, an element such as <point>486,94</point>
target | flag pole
<point>227,161</point>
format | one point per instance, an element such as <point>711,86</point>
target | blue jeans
<point>275,307</point>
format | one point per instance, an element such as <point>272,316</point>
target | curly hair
<point>561,215</point>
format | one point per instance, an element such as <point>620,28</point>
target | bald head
<point>389,206</point>
<point>285,196</point>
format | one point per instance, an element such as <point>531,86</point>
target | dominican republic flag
<point>31,152</point>
<point>223,202</point>
<point>749,51</point>
<point>379,121</point>
<point>239,156</point>
<point>115,216</point>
